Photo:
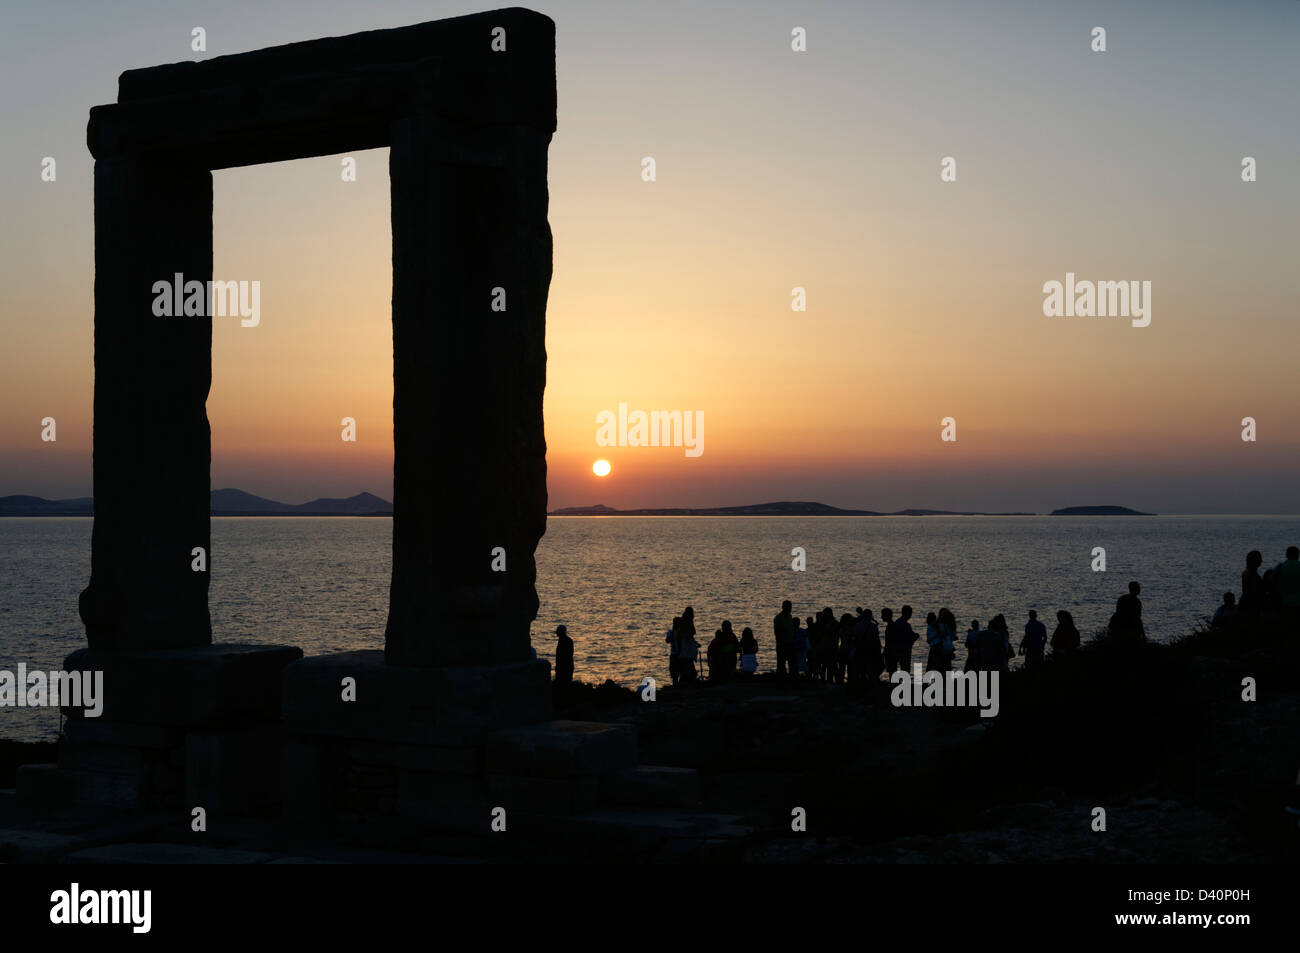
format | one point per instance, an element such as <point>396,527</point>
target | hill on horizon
<point>226,502</point>
<point>759,509</point>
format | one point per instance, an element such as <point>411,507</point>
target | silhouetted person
<point>948,638</point>
<point>1226,614</point>
<point>1252,585</point>
<point>674,669</point>
<point>730,649</point>
<point>1286,585</point>
<point>994,646</point>
<point>687,648</point>
<point>898,642</point>
<point>972,647</point>
<point>802,645</point>
<point>714,656</point>
<point>563,657</point>
<point>783,626</point>
<point>1065,640</point>
<point>828,646</point>
<point>867,663</point>
<point>1126,624</point>
<point>748,651</point>
<point>688,651</point>
<point>933,641</point>
<point>1034,642</point>
<point>845,657</point>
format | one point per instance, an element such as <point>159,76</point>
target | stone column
<point>152,446</point>
<point>469,470</point>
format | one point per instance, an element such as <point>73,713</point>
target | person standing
<point>783,626</point>
<point>673,665</point>
<point>1065,640</point>
<point>563,657</point>
<point>1286,585</point>
<point>973,647</point>
<point>1252,584</point>
<point>1034,643</point>
<point>730,649</point>
<point>899,639</point>
<point>748,651</point>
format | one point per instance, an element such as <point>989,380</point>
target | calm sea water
<point>616,582</point>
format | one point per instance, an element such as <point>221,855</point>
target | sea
<point>321,583</point>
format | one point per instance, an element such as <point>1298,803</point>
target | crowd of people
<point>1274,593</point>
<point>857,648</point>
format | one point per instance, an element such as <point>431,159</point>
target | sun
<point>601,468</point>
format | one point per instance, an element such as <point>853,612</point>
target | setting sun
<point>600,468</point>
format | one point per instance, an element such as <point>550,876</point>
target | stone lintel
<point>526,66</point>
<point>301,116</point>
<point>221,684</point>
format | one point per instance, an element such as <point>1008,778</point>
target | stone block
<point>36,847</point>
<point>451,801</point>
<point>189,687</point>
<point>540,795</point>
<point>562,749</point>
<point>449,706</point>
<point>308,779</point>
<point>652,785</point>
<point>103,759</point>
<point>96,731</point>
<point>234,770</point>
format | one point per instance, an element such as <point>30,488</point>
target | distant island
<point>760,509</point>
<point>227,502</point>
<point>1098,511</point>
<point>232,502</point>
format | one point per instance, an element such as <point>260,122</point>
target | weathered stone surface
<point>192,687</point>
<point>650,785</point>
<point>561,749</point>
<point>541,795</point>
<point>233,770</point>
<point>36,847</point>
<point>151,436</point>
<point>447,706</point>
<point>96,731</point>
<point>309,778</point>
<point>49,789</point>
<point>459,231</point>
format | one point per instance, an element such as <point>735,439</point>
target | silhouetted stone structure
<point>468,127</point>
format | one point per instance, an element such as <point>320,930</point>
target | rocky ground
<point>1162,740</point>
<point>1186,769</point>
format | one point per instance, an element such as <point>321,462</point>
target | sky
<point>775,169</point>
